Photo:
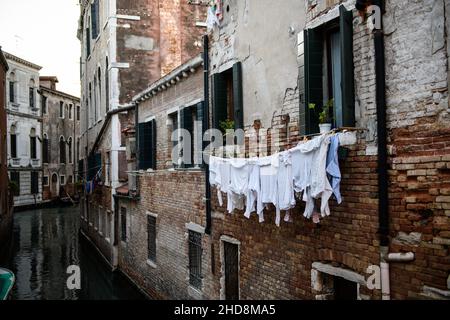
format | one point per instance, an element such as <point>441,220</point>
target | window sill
<point>151,264</point>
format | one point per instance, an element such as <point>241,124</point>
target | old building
<point>61,114</point>
<point>5,203</point>
<point>126,45</point>
<point>386,84</point>
<point>168,206</point>
<point>24,137</point>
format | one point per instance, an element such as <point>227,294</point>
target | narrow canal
<point>45,243</point>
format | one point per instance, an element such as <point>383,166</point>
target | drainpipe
<point>136,144</point>
<point>206,127</point>
<point>383,183</point>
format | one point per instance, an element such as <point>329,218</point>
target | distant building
<point>5,210</point>
<point>24,130</point>
<point>60,140</point>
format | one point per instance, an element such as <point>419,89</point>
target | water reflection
<point>45,243</point>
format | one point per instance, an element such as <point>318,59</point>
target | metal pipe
<point>206,127</point>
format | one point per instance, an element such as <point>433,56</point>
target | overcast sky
<point>45,33</point>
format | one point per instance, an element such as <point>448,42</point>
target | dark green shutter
<point>187,124</point>
<point>153,144</point>
<point>13,146</point>
<point>145,145</point>
<point>201,121</point>
<point>94,22</point>
<point>238,99</point>
<point>219,100</point>
<point>313,79</point>
<point>347,80</point>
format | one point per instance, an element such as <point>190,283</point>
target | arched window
<point>45,149</point>
<point>69,143</point>
<point>62,150</point>
<point>107,84</point>
<point>12,87</point>
<point>13,141</point>
<point>33,149</point>
<point>31,95</point>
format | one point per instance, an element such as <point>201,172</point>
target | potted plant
<point>324,116</point>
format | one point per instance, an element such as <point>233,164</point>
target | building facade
<point>5,200</point>
<point>24,121</point>
<point>61,114</point>
<point>126,45</point>
<point>385,83</point>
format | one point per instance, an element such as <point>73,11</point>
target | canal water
<point>45,243</point>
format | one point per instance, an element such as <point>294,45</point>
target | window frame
<point>195,254</point>
<point>151,238</point>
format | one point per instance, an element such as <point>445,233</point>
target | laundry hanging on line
<point>310,169</point>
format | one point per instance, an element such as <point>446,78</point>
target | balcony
<point>15,161</point>
<point>35,162</point>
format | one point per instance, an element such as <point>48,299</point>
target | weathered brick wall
<point>419,140</point>
<point>175,196</point>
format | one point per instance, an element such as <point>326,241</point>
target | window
<point>34,182</point>
<point>147,145</point>
<point>13,138</point>
<point>228,97</point>
<point>100,220</point>
<point>45,181</point>
<point>69,142</point>
<point>99,89</point>
<point>108,225</point>
<point>15,178</point>
<point>90,104</point>
<point>45,149</point>
<point>195,259</point>
<point>44,104</point>
<point>62,180</point>
<point>78,113</point>
<point>151,240</point>
<point>88,41</point>
<point>12,87</point>
<point>108,168</point>
<point>328,74</point>
<point>123,223</point>
<point>70,111</point>
<point>95,17</point>
<point>61,109</point>
<point>70,181</point>
<point>62,150</point>
<point>31,97</point>
<point>33,153</point>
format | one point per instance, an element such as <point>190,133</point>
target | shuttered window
<point>13,146</point>
<point>339,76</point>
<point>94,165</point>
<point>187,123</point>
<point>11,91</point>
<point>15,178</point>
<point>151,244</point>
<point>33,147</point>
<point>31,97</point>
<point>123,223</point>
<point>95,19</point>
<point>195,259</point>
<point>34,182</point>
<point>228,97</point>
<point>147,145</point>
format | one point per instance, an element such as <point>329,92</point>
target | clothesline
<point>302,138</point>
<point>310,168</point>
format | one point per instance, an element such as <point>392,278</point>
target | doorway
<point>230,269</point>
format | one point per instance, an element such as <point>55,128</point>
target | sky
<point>44,32</point>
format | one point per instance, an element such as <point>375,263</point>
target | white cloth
<point>269,186</point>
<point>222,180</point>
<point>238,188</point>
<point>254,192</point>
<point>286,197</point>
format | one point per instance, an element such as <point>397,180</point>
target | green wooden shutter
<point>219,100</point>
<point>201,121</point>
<point>145,145</point>
<point>187,124</point>
<point>238,99</point>
<point>154,144</point>
<point>94,20</point>
<point>313,79</point>
<point>347,83</point>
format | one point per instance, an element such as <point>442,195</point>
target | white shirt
<point>269,184</point>
<point>286,197</point>
<point>254,192</point>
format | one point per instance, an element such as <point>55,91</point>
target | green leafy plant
<point>226,125</point>
<point>324,114</point>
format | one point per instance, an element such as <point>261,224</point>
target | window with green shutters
<point>95,19</point>
<point>147,145</point>
<point>326,73</point>
<point>227,98</point>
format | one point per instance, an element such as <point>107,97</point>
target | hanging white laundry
<point>238,189</point>
<point>213,172</point>
<point>222,178</point>
<point>319,185</point>
<point>254,192</point>
<point>286,197</point>
<point>269,186</point>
